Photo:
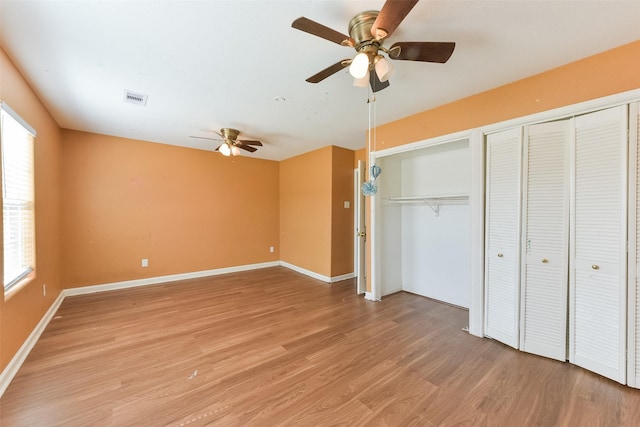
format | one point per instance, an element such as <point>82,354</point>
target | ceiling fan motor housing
<point>360,28</point>
<point>229,134</point>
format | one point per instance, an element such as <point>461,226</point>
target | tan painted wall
<point>305,211</point>
<point>608,73</point>
<point>341,218</point>
<point>21,310</point>
<point>184,210</point>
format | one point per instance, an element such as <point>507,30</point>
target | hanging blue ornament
<point>375,171</point>
<point>369,188</point>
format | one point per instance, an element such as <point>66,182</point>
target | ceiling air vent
<point>135,98</point>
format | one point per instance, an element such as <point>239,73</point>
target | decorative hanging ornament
<point>369,188</point>
<point>375,171</point>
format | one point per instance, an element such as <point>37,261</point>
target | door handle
<point>544,260</point>
<point>500,255</point>
<point>595,267</point>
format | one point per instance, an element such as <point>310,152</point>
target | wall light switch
<point>271,249</point>
<point>347,204</point>
<point>145,262</point>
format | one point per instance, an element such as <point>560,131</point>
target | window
<point>16,139</point>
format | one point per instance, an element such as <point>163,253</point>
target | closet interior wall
<point>425,222</point>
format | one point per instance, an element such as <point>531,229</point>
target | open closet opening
<point>423,220</point>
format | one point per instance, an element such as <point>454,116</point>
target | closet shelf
<point>434,202</point>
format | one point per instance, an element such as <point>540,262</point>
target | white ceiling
<point>212,64</point>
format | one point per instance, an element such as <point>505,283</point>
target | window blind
<point>16,139</point>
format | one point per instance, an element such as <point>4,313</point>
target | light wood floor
<point>272,347</point>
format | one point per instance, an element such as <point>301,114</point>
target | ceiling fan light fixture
<point>362,82</point>
<point>225,150</point>
<point>384,68</point>
<point>235,151</point>
<point>359,66</point>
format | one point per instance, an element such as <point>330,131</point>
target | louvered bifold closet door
<point>597,310</point>
<point>502,236</point>
<point>633,366</point>
<point>545,245</point>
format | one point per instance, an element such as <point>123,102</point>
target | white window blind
<point>16,139</point>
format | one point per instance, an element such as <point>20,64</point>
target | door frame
<point>359,225</point>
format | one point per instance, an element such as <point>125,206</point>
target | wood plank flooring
<point>272,347</point>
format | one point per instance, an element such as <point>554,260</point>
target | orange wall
<point>607,73</point>
<point>184,210</point>
<point>341,217</point>
<point>22,309</point>
<point>305,211</point>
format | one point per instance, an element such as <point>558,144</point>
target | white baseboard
<point>315,275</point>
<point>369,296</point>
<point>164,279</point>
<point>16,362</point>
<point>342,277</point>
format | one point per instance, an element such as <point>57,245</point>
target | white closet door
<point>502,236</point>
<point>597,315</point>
<point>633,366</point>
<point>545,240</point>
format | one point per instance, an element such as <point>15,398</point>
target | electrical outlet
<point>271,249</point>
<point>145,262</point>
<point>44,290</point>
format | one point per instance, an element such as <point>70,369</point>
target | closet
<point>555,236</point>
<point>424,222</point>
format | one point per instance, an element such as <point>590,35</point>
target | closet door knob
<point>595,267</point>
<point>544,260</point>
<point>500,255</point>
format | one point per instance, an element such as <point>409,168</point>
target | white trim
<point>566,111</point>
<point>476,209</point>
<point>376,288</point>
<point>4,106</point>
<point>369,296</point>
<point>443,139</point>
<point>10,371</point>
<point>164,279</point>
<point>315,275</point>
<point>306,272</point>
<point>342,277</point>
<point>632,260</point>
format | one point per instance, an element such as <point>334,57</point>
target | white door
<point>633,334</point>
<point>597,310</point>
<point>360,230</point>
<point>502,236</point>
<point>545,243</point>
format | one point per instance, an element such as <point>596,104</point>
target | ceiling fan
<point>367,31</point>
<point>231,145</point>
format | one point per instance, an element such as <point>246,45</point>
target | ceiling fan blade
<point>391,15</point>
<point>423,51</point>
<point>218,149</point>
<point>203,137</point>
<point>246,147</point>
<point>376,84</point>
<point>312,27</point>
<point>316,78</point>
<point>248,142</point>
